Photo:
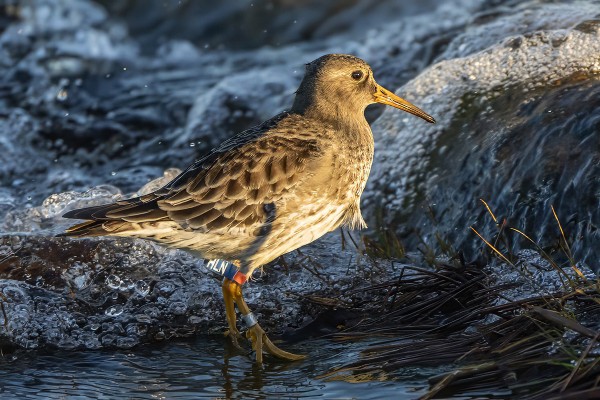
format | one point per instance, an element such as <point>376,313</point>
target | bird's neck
<point>339,114</point>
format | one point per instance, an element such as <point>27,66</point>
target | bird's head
<point>338,83</point>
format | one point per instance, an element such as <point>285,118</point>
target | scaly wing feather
<point>237,185</point>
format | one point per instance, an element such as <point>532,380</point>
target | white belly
<point>305,226</point>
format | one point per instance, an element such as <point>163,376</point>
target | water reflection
<point>205,367</point>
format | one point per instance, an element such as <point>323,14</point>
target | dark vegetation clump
<point>492,336</point>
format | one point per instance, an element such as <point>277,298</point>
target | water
<point>205,367</point>
<point>99,99</point>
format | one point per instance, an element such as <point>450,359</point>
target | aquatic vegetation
<point>525,326</point>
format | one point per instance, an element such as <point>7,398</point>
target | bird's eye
<point>357,75</point>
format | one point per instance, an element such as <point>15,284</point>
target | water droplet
<point>113,281</point>
<point>192,144</point>
<point>126,285</point>
<point>62,95</point>
<point>115,310</point>
<point>142,288</point>
<point>113,173</point>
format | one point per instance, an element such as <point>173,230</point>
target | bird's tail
<point>109,219</point>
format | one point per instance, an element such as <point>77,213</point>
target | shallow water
<point>191,369</point>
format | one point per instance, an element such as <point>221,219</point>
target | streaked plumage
<point>270,189</point>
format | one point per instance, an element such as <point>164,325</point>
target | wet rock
<point>94,293</point>
<point>516,127</point>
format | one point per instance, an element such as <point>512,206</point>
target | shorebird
<point>266,191</point>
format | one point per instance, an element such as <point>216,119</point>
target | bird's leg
<point>232,332</point>
<point>255,333</point>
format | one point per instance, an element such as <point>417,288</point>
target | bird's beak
<point>384,96</point>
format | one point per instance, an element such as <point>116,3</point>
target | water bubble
<point>80,281</point>
<point>114,311</point>
<point>113,281</point>
<point>126,285</point>
<point>142,288</point>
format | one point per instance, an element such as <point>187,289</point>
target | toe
<point>277,352</point>
<point>233,336</point>
<point>258,337</point>
<point>255,335</point>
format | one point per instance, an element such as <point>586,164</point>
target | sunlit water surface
<point>204,367</point>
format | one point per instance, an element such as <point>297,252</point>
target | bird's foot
<point>259,339</point>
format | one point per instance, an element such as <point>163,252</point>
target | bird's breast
<point>343,171</point>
